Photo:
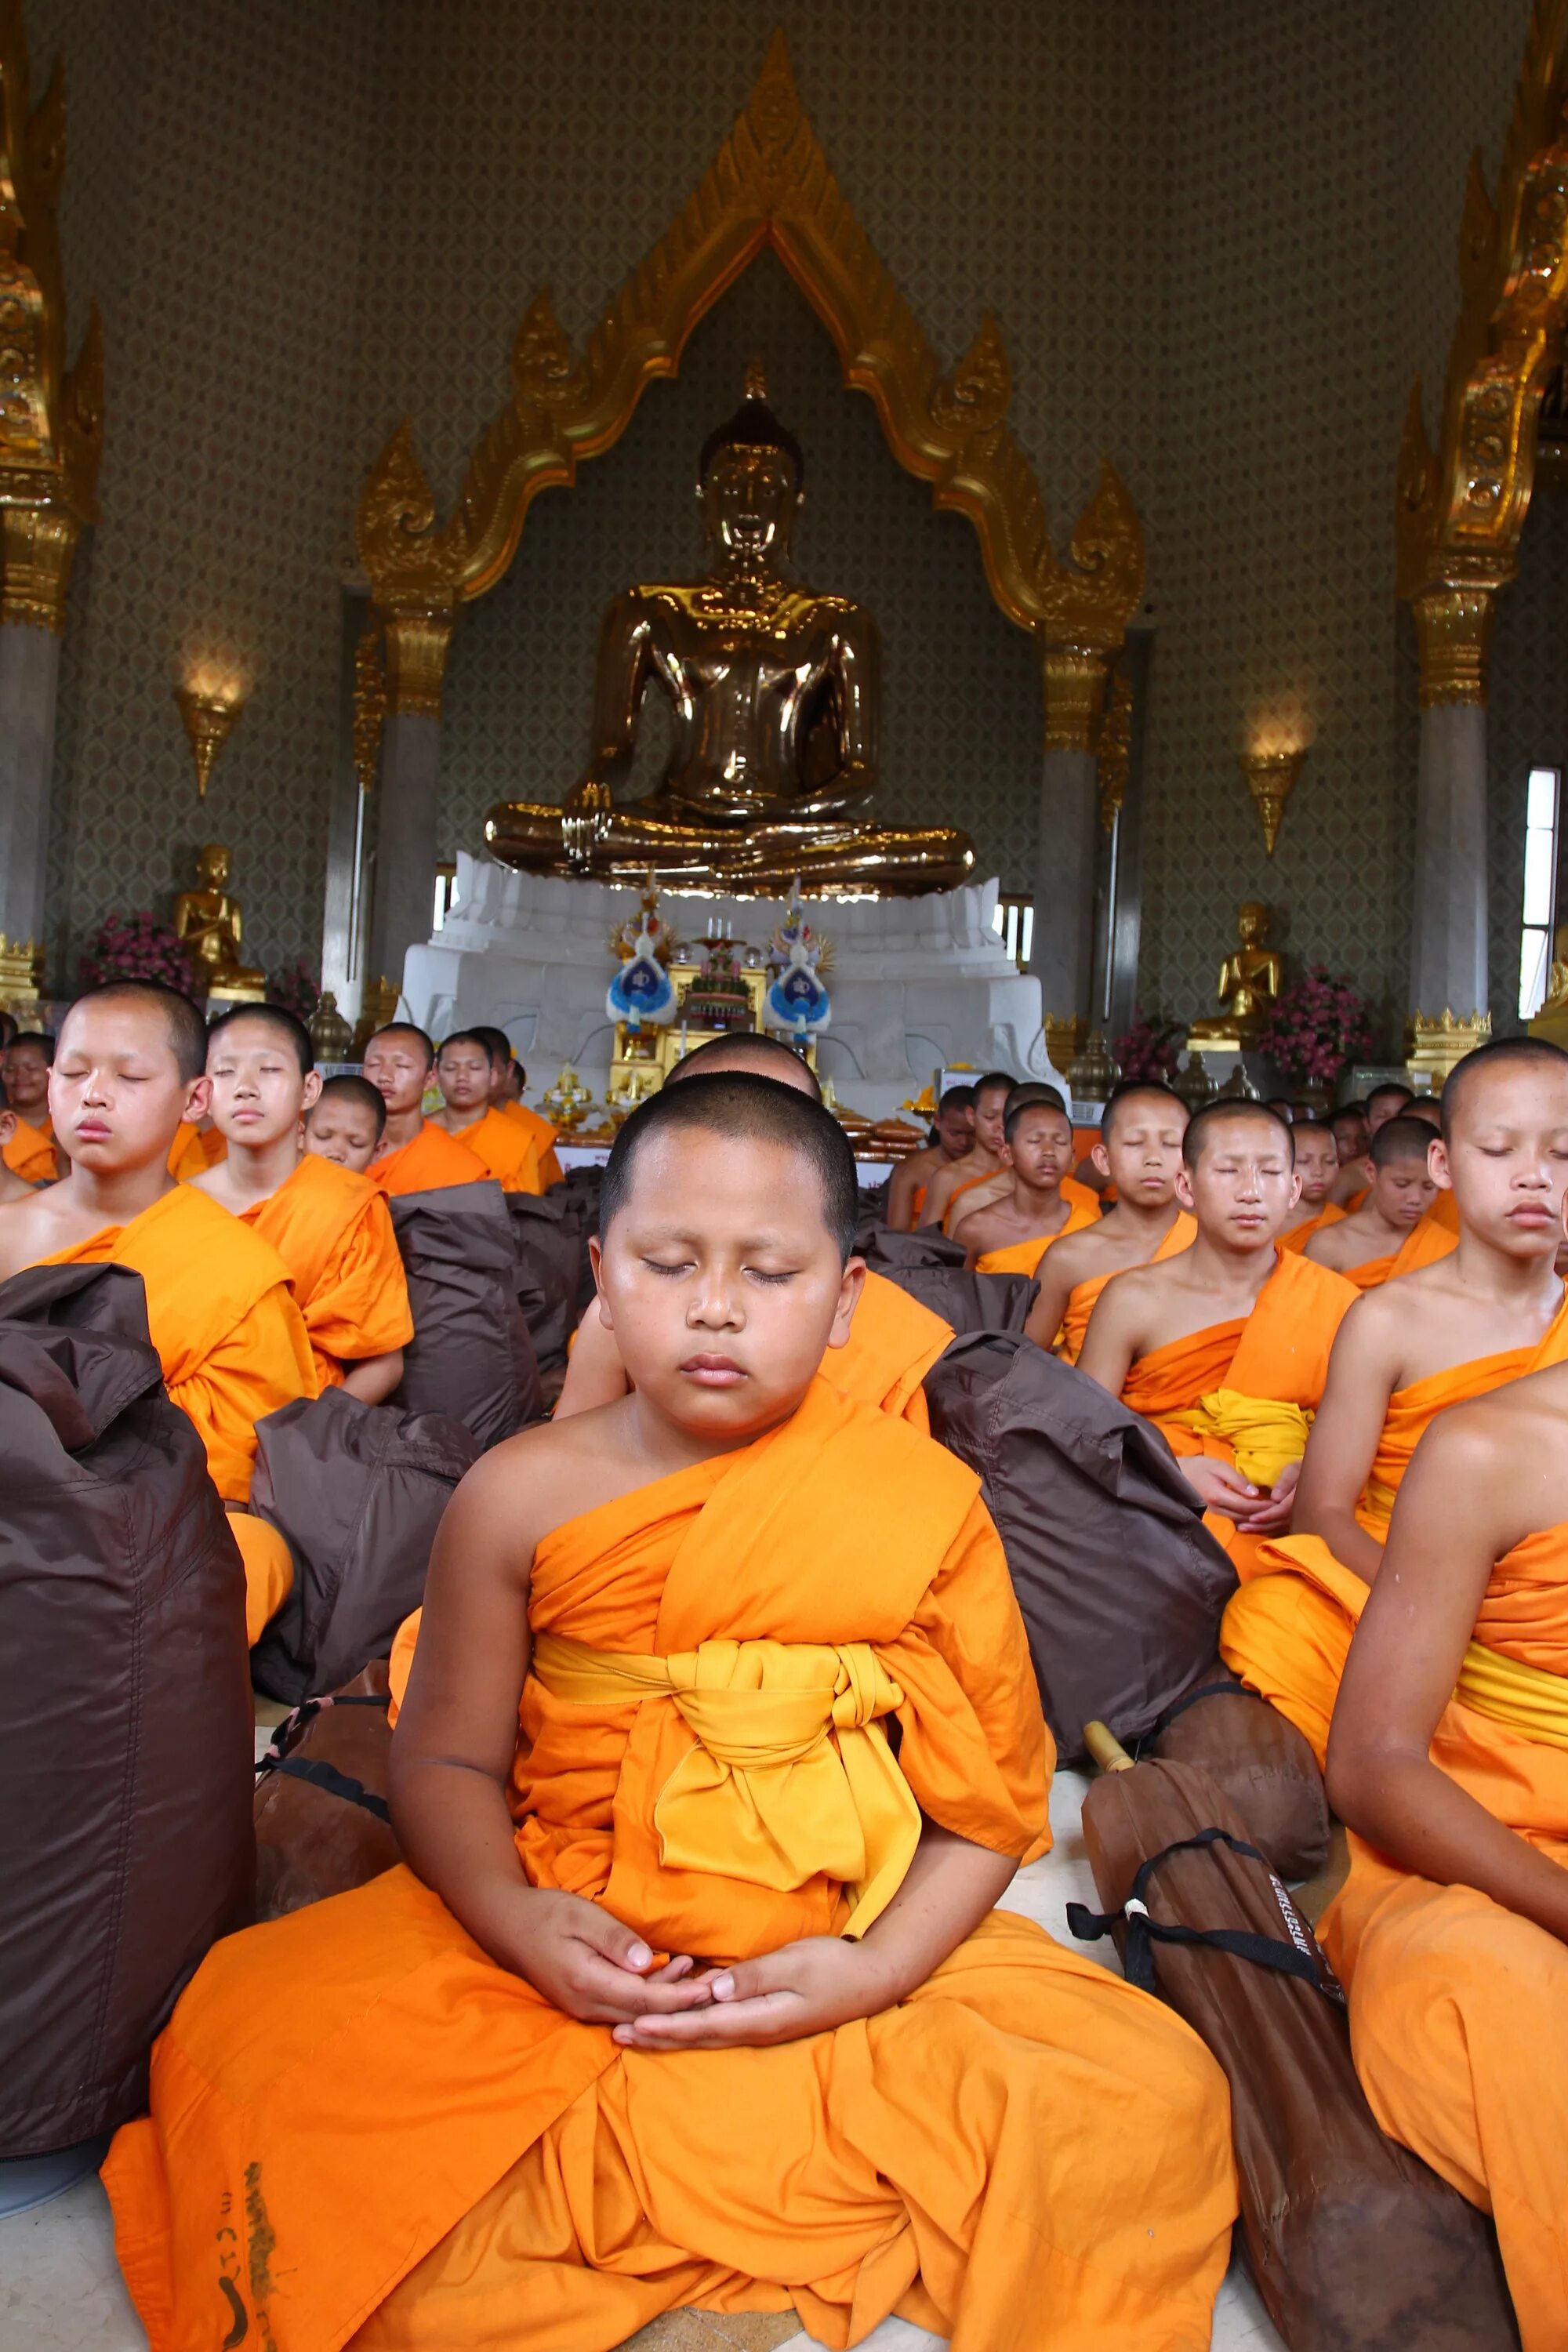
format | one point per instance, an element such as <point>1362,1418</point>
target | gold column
<point>37,545</point>
<point>417,641</point>
<point>1453,634</point>
<point>1074,677</point>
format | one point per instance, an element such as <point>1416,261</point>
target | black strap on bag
<point>1209,1690</point>
<point>325,1776</point>
<point>1295,1954</point>
<point>293,1726</point>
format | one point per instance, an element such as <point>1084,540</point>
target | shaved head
<point>743,1104</point>
<point>1140,1090</point>
<point>405,1029</point>
<point>753,1054</point>
<point>1400,1138</point>
<point>287,1026</point>
<point>1203,1123</point>
<point>182,1026</point>
<point>1509,1056</point>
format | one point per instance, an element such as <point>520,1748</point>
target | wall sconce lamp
<point>209,712</point>
<point>1270,779</point>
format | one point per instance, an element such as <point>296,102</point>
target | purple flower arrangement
<point>137,946</point>
<point>296,990</point>
<point>1315,1026</point>
<point>1150,1048</point>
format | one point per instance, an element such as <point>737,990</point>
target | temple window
<point>1539,889</point>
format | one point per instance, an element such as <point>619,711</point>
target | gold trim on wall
<point>1461,507</point>
<point>770,185</point>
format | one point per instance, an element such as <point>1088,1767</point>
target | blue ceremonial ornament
<point>642,993</point>
<point>796,1000</point>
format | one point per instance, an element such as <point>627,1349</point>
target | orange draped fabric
<point>192,1153</point>
<point>30,1153</point>
<point>414,2151</point>
<point>233,1345</point>
<point>1444,1211</point>
<point>1287,1631</point>
<point>1080,1306</point>
<point>1024,1257</point>
<point>917,1201</point>
<point>430,1161</point>
<point>1298,1237</point>
<point>331,1229</point>
<point>1458,2007</point>
<point>543,1137</point>
<point>510,1155</point>
<point>1426,1242</point>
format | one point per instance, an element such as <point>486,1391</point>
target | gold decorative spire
<point>756,381</point>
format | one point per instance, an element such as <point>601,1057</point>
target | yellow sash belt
<point>767,1795</point>
<point>1530,1700</point>
<point>1264,1434</point>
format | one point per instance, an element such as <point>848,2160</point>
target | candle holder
<point>209,714</point>
<point>1270,779</point>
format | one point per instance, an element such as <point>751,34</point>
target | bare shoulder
<point>1500,1460</point>
<point>1372,1331</point>
<point>27,1232</point>
<point>1079,1257</point>
<point>523,1489</point>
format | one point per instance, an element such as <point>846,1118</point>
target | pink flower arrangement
<point>295,989</point>
<point>1150,1048</point>
<point>137,946</point>
<point>1315,1026</point>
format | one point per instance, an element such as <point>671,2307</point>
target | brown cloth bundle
<point>548,1232</point>
<point>322,1823</point>
<point>470,1355</point>
<point>1356,2245</point>
<point>1261,1762</point>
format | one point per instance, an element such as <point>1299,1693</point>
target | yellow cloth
<point>1530,1700</point>
<point>766,1796</point>
<point>1265,1436</point>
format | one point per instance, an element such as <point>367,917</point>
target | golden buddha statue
<point>774,687</point>
<point>1248,982</point>
<point>209,922</point>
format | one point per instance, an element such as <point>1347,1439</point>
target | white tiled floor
<point>61,2291</point>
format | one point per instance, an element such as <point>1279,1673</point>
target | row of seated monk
<point>628,1985</point>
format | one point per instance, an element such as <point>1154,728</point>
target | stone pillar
<point>37,544</point>
<point>1449,968</point>
<point>1061,955</point>
<point>416,645</point>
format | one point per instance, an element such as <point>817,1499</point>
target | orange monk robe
<point>1278,1355</point>
<point>416,2150</point>
<point>1460,2008</point>
<point>1299,1235</point>
<point>333,1230</point>
<point>1424,1244</point>
<point>1444,1211</point>
<point>30,1154</point>
<point>431,1160</point>
<point>192,1153</point>
<point>233,1345</point>
<point>510,1156</point>
<point>542,1136</point>
<point>1081,1302</point>
<point>1024,1257</point>
<point>1287,1631</point>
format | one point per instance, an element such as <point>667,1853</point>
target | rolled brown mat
<point>1260,1761</point>
<point>321,1822</point>
<point>1355,2244</point>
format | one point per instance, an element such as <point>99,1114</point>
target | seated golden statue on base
<point>775,692</point>
<point>209,922</point>
<point>1248,983</point>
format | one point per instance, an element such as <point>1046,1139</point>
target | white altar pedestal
<point>916,983</point>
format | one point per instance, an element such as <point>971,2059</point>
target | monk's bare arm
<point>1457,1513</point>
<point>372,1379</point>
<point>902,1190</point>
<point>939,1192</point>
<point>594,1372</point>
<point>1059,1275</point>
<point>1115,1329</point>
<point>1363,1376</point>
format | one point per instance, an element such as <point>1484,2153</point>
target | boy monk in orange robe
<point>415,1155</point>
<point>463,1072</point>
<point>988,1190</point>
<point>693,1992</point>
<point>129,1072</point>
<point>1449,1761</point>
<point>911,1178</point>
<point>507,1078</point>
<point>330,1227</point>
<point>1317,1162</point>
<point>1391,1232</point>
<point>29,1151</point>
<point>982,1159</point>
<point>1138,1152</point>
<point>1012,1235</point>
<point>1384,1103</point>
<point>1484,1315</point>
<point>1225,1348</point>
<point>12,1186</point>
<point>345,1123</point>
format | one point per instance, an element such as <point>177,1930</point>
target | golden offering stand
<point>566,1104</point>
<point>22,981</point>
<point>1436,1044</point>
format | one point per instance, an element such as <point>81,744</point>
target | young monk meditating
<point>1014,1234</point>
<point>415,1154</point>
<point>954,1129</point>
<point>693,1992</point>
<point>464,1071</point>
<point>1391,1232</point>
<point>1225,1347</point>
<point>1477,1319</point>
<point>989,1190</point>
<point>30,1151</point>
<point>346,1122</point>
<point>507,1078</point>
<point>1317,1162</point>
<point>1382,1104</point>
<point>1138,1152</point>
<point>12,1186</point>
<point>129,1070</point>
<point>330,1227</point>
<point>981,1162</point>
<point>1448,1759</point>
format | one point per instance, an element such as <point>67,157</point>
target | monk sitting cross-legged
<point>463,1069</point>
<point>986,1192</point>
<point>29,1150</point>
<point>693,1992</point>
<point>130,1071</point>
<point>1225,1348</point>
<point>911,1178</point>
<point>330,1227</point>
<point>982,1161</point>
<point>1014,1234</point>
<point>1138,1152</point>
<point>1391,1232</point>
<point>1317,1162</point>
<point>415,1155</point>
<point>346,1122</point>
<point>1448,1759</point>
<point>507,1078</point>
<point>1482,1317</point>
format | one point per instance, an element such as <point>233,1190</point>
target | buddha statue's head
<point>214,865</point>
<point>1252,922</point>
<point>751,477</point>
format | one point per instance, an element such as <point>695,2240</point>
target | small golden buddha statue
<point>209,922</point>
<point>1248,982</point>
<point>773,688</point>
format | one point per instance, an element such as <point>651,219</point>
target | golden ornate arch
<point>1461,507</point>
<point>770,184</point>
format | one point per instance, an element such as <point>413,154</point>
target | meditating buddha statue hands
<point>209,922</point>
<point>774,689</point>
<point>1249,982</point>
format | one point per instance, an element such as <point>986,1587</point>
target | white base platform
<point>916,983</point>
